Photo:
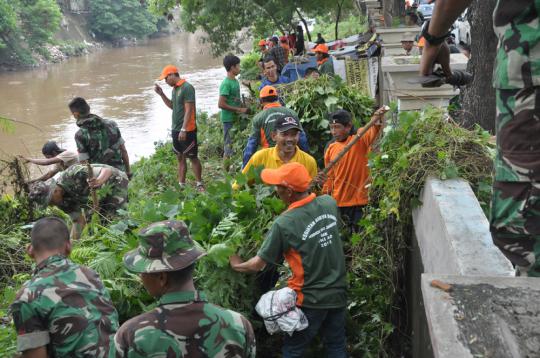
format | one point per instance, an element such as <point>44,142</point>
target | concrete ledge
<point>394,34</point>
<point>453,232</point>
<point>483,316</point>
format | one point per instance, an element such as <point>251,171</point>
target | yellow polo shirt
<point>269,159</point>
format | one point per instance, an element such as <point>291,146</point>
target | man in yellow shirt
<point>286,134</point>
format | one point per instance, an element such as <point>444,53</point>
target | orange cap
<point>262,42</point>
<point>291,175</point>
<point>268,91</point>
<point>167,70</point>
<point>321,48</point>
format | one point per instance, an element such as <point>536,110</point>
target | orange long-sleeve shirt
<point>348,178</point>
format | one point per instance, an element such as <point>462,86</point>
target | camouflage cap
<point>41,192</point>
<point>163,246</point>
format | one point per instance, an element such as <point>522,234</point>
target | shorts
<point>227,140</point>
<point>189,147</point>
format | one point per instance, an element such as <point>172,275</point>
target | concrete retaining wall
<point>451,237</point>
<point>453,232</point>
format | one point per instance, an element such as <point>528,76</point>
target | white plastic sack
<point>279,311</point>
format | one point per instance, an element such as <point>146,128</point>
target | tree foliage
<point>115,19</point>
<point>8,22</point>
<point>226,22</point>
<point>26,25</point>
<point>39,21</point>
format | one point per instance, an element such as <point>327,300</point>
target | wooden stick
<point>95,202</point>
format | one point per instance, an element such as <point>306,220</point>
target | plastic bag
<point>279,311</point>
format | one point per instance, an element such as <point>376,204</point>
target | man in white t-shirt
<point>53,154</point>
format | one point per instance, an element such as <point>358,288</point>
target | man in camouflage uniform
<point>183,324</point>
<point>98,139</point>
<point>69,190</point>
<point>515,207</point>
<point>63,310</point>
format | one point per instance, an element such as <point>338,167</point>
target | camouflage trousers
<point>114,194</point>
<point>515,206</point>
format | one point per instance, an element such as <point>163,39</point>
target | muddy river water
<point>117,83</point>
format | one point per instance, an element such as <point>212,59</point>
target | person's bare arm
<point>445,13</point>
<point>40,352</point>
<point>44,161</point>
<point>166,100</point>
<point>125,159</point>
<point>222,104</point>
<point>45,176</point>
<point>254,264</point>
<point>104,175</point>
<point>189,110</point>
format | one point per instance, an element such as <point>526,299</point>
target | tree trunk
<point>399,8</point>
<point>305,24</point>
<point>393,9</point>
<point>387,6</point>
<point>338,16</point>
<point>478,99</point>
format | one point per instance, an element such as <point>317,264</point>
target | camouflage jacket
<point>99,140</point>
<point>66,308</point>
<point>518,56</point>
<point>185,325</point>
<point>76,191</point>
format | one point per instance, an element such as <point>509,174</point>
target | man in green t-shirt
<point>184,125</point>
<point>229,101</point>
<point>307,236</point>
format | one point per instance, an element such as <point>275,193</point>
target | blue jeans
<point>331,323</point>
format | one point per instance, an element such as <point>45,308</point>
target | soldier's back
<point>99,140</point>
<point>186,325</point>
<point>66,307</point>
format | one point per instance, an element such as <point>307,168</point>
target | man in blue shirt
<point>271,76</point>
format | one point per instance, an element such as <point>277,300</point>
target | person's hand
<point>235,260</point>
<point>24,159</point>
<point>433,54</point>
<point>94,183</point>
<point>320,178</point>
<point>158,89</point>
<point>182,135</point>
<point>245,111</point>
<point>379,113</point>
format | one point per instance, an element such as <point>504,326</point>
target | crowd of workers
<point>65,310</point>
<point>183,320</point>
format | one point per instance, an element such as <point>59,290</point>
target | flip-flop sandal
<point>459,78</point>
<point>437,79</point>
<point>428,81</point>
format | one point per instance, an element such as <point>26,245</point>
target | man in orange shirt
<point>347,179</point>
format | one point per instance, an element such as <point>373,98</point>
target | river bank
<point>118,84</point>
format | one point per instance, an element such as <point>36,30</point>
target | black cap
<point>50,148</point>
<point>340,116</point>
<point>284,123</point>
